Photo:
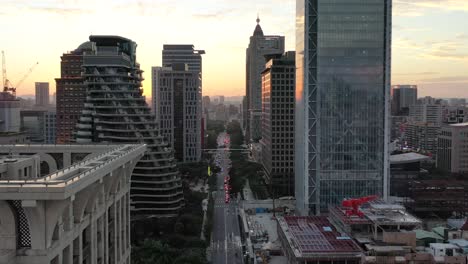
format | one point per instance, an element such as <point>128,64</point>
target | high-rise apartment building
<point>187,54</point>
<point>452,148</point>
<point>342,101</point>
<point>403,96</point>
<point>76,214</point>
<point>259,47</point>
<point>178,106</point>
<point>278,88</point>
<point>71,93</point>
<point>115,111</point>
<point>42,94</point>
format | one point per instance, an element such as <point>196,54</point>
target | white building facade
<point>80,214</point>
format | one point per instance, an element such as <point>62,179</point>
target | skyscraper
<point>178,107</point>
<point>42,93</point>
<point>342,101</point>
<point>71,93</point>
<point>115,111</point>
<point>259,47</point>
<point>403,96</point>
<point>277,141</point>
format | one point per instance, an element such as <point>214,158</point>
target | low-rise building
<point>314,240</point>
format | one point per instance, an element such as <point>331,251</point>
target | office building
<point>187,54</point>
<point>71,93</point>
<point>452,148</point>
<point>259,47</point>
<point>342,101</point>
<point>77,214</point>
<point>221,99</point>
<point>278,88</point>
<point>403,96</point>
<point>178,106</point>
<point>9,113</point>
<point>115,111</point>
<point>42,94</point>
<point>39,125</point>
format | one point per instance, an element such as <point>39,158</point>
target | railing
<point>121,152</point>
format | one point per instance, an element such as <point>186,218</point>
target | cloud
<point>446,79</point>
<point>415,73</point>
<point>60,10</point>
<point>448,55</point>
<point>462,36</point>
<point>410,8</point>
<point>215,15</point>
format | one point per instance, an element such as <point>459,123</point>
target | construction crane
<point>355,203</point>
<point>7,87</point>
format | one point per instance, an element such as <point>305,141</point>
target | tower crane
<point>7,86</point>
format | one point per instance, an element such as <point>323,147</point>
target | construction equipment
<point>356,203</point>
<point>7,86</point>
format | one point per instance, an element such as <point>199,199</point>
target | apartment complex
<point>115,111</point>
<point>278,96</point>
<point>71,93</point>
<point>178,106</point>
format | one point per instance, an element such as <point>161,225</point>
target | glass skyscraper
<point>342,101</point>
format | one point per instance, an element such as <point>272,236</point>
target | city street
<point>226,242</point>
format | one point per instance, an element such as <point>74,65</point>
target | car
<point>221,188</point>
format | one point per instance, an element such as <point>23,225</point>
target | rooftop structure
<point>378,216</point>
<point>407,158</point>
<point>313,239</point>
<point>79,214</point>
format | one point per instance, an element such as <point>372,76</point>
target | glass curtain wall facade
<point>342,101</point>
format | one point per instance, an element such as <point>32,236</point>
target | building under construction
<point>441,197</point>
<point>314,240</point>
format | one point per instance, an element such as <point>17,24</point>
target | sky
<point>429,41</point>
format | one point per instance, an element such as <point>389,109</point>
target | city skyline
<point>436,64</point>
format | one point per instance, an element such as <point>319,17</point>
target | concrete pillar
<point>66,159</point>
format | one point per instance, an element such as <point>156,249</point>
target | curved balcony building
<point>115,111</point>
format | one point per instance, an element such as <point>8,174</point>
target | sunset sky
<point>430,37</point>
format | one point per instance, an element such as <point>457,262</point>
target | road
<point>226,246</point>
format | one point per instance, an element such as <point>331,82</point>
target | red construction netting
<point>316,234</point>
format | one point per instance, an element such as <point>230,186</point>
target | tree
<point>152,252</point>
